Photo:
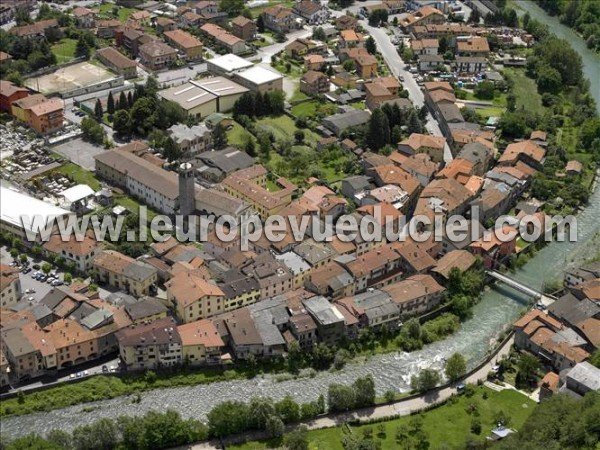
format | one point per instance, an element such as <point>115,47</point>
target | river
<point>497,309</point>
<point>591,60</point>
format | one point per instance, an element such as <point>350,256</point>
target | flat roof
<point>188,95</point>
<point>230,62</point>
<point>260,75</point>
<point>18,209</point>
<point>219,86</point>
<point>77,192</point>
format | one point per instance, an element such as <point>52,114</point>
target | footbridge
<point>521,287</point>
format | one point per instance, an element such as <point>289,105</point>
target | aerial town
<point>470,128</point>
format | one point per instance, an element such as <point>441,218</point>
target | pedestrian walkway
<point>400,408</point>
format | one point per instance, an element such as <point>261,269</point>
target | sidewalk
<point>397,409</point>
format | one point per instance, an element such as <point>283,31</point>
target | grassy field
<point>312,108</point>
<point>238,136</point>
<point>283,128</point>
<point>298,96</point>
<point>64,50</point>
<point>447,426</point>
<point>525,90</point>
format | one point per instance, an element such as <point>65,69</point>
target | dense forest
<point>581,15</point>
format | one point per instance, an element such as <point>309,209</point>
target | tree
<point>294,357</point>
<point>364,391</point>
<point>456,367</point>
<point>82,50</point>
<point>319,34</point>
<point>122,123</point>
<point>288,409</point>
<point>340,398</point>
<point>250,147</point>
<point>299,136</point>
<point>219,137</point>
<point>297,439</point>
<point>426,380</point>
<point>475,16</point>
<point>92,130</point>
<point>229,417</point>
<point>549,80</point>
<point>485,90</point>
<point>260,24</point>
<point>349,65</point>
<point>378,133</point>
<point>110,104</point>
<point>371,45</point>
<point>527,368</point>
<point>98,111</point>
<point>274,426</point>
<point>14,253</point>
<point>123,101</point>
<point>36,251</point>
<point>171,149</point>
<point>261,408</point>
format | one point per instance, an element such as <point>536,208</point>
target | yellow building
<point>123,272</point>
<point>146,310</point>
<point>194,298</point>
<point>201,343</point>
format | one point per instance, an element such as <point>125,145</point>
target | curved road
<point>397,409</point>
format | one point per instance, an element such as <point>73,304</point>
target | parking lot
<point>79,152</point>
<point>33,290</point>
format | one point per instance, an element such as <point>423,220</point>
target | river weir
<point>499,307</point>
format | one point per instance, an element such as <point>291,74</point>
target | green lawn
<point>447,426</point>
<point>313,108</point>
<point>525,90</point>
<point>238,136</point>
<point>298,96</point>
<point>80,175</point>
<point>490,112</point>
<point>64,50</point>
<point>283,128</point>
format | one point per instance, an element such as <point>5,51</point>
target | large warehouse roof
<point>19,209</point>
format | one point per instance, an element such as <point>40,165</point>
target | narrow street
<point>396,65</point>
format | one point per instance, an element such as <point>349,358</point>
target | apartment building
<point>185,43</point>
<point>151,346</point>
<point>125,273</point>
<point>10,286</point>
<point>194,298</point>
<point>201,343</point>
<point>41,114</point>
<point>117,61</point>
<point>78,252</point>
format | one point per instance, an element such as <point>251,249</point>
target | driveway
<point>79,152</point>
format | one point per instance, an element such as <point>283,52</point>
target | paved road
<point>399,408</point>
<point>265,53</point>
<point>396,65</point>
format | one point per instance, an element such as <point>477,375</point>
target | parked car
<point>104,369</point>
<point>460,388</point>
<point>30,291</point>
<point>57,283</point>
<point>27,270</point>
